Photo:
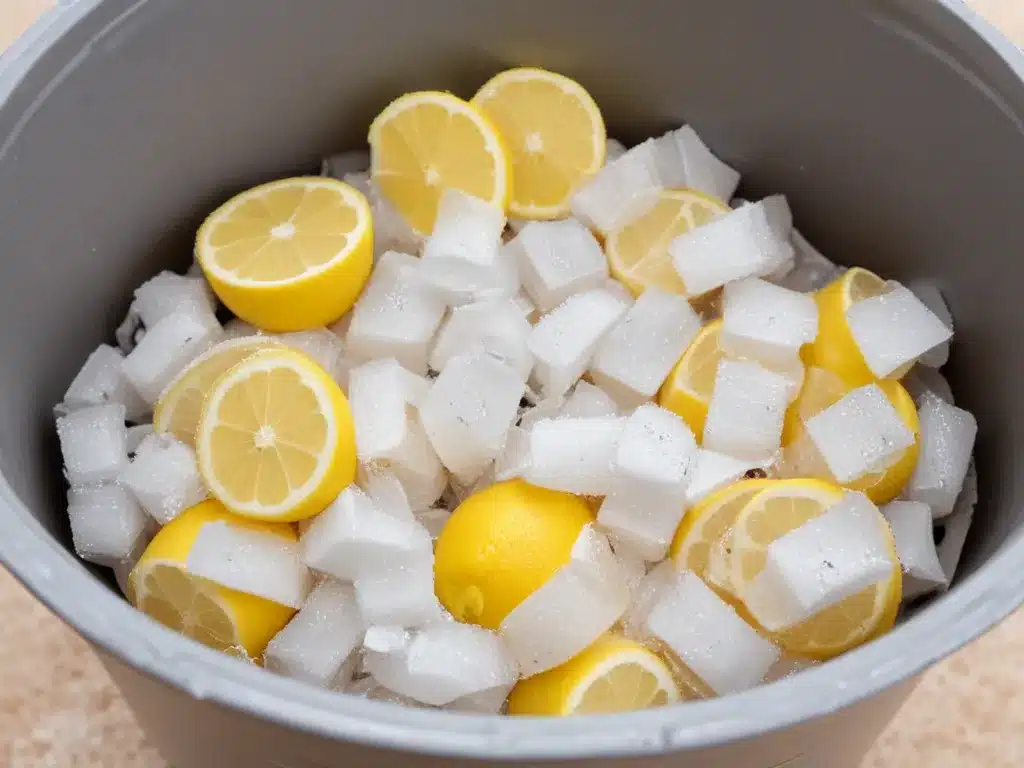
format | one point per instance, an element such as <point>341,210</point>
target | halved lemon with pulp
<point>687,390</point>
<point>708,522</point>
<point>612,675</point>
<point>835,348</point>
<point>554,134</point>
<point>220,618</point>
<point>426,142</point>
<point>638,251</point>
<point>276,440</point>
<point>822,389</point>
<point>781,508</point>
<point>289,255</point>
<point>179,407</point>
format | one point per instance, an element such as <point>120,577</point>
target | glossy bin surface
<point>895,128</point>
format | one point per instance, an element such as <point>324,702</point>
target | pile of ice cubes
<point>492,351</point>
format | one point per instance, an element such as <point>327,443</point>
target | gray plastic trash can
<point>894,125</point>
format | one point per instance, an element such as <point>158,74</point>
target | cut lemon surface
<point>276,440</point>
<point>822,389</point>
<point>289,255</point>
<point>687,390</point>
<point>500,545</point>
<point>708,522</point>
<point>612,675</point>
<point>179,407</point>
<point>554,134</point>
<point>428,141</point>
<point>221,618</point>
<point>835,349</point>
<point>781,508</point>
<point>638,252</point>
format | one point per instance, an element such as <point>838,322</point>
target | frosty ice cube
<point>564,340</point>
<point>106,523</point>
<point>556,260</point>
<point>165,350</point>
<point>861,433</point>
<point>469,409</point>
<point>633,359</point>
<point>766,323</point>
<point>894,329</point>
<point>317,642</point>
<point>734,246</point>
<point>709,637</point>
<point>912,528</point>
<point>947,442</point>
<point>93,442</point>
<point>820,563</point>
<point>574,455</point>
<point>164,477</point>
<point>497,326</point>
<point>253,562</point>
<point>101,380</point>
<point>748,405</point>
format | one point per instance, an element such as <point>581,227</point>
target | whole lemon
<point>500,545</point>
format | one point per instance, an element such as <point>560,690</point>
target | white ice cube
<point>396,315</point>
<point>106,523</point>
<point>640,516</point>
<point>549,408</point>
<point>624,189</point>
<point>101,380</point>
<point>164,477</point>
<point>467,412</point>
<point>445,662</point>
<point>861,433</point>
<point>135,435</point>
<point>391,232</point>
<point>912,528</point>
<point>954,528</point>
<point>632,563</point>
<point>588,401</point>
<point>564,340</point>
<point>932,297</point>
<point>416,464</point>
<point>709,637</point>
<point>320,638</point>
<point>947,442</point>
<point>923,379</point>
<point>318,343</point>
<point>734,246</point>
<point>713,471</point>
<point>894,329</point>
<point>168,293</point>
<point>632,361</point>
<point>400,597</point>
<point>465,228</point>
<point>433,519</point>
<point>514,459</point>
<point>385,639</point>
<point>498,326</point>
<point>658,449</point>
<point>385,491</point>
<point>341,163</point>
<point>660,578</point>
<point>352,539</point>
<point>578,604</point>
<point>488,702</point>
<point>458,281</point>
<point>556,260</point>
<point>93,442</point>
<point>684,160</point>
<point>380,392</point>
<point>253,562</point>
<point>748,405</point>
<point>165,350</point>
<point>810,270</point>
<point>574,455</point>
<point>614,149</point>
<point>766,323</point>
<point>780,216</point>
<point>820,563</point>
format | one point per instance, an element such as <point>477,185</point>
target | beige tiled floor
<point>59,710</point>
